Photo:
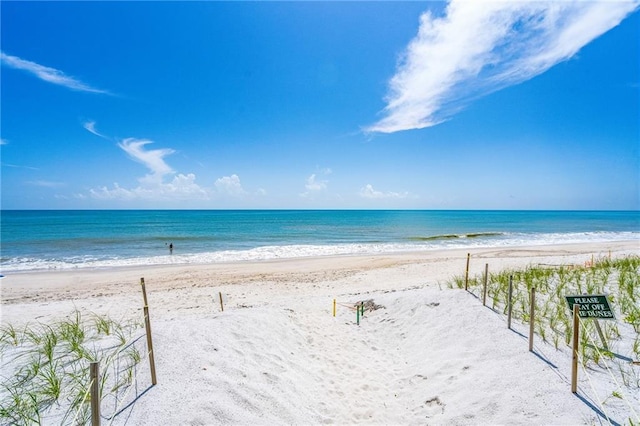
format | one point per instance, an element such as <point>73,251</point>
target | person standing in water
<point>170,248</point>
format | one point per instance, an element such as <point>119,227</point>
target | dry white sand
<point>276,355</point>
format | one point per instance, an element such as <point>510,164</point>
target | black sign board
<point>591,306</point>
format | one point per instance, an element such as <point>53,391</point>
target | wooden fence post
<point>576,342</point>
<point>221,305</point>
<point>94,376</point>
<point>532,317</point>
<point>144,292</point>
<point>601,334</point>
<point>466,275</point>
<point>510,302</point>
<point>152,363</point>
<point>486,279</point>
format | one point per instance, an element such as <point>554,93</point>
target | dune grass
<point>618,278</point>
<point>45,367</point>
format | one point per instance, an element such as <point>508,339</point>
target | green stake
<point>362,308</point>
<point>358,316</point>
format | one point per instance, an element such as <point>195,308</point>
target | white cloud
<point>47,74</point>
<point>117,193</point>
<point>184,186</point>
<point>368,192</point>
<point>153,186</point>
<point>181,187</point>
<point>4,142</point>
<point>481,46</point>
<point>230,185</point>
<point>315,185</point>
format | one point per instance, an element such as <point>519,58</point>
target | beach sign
<point>595,306</point>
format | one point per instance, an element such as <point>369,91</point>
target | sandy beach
<point>276,355</point>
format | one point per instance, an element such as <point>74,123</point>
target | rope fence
<point>126,367</point>
<point>83,401</point>
<point>76,370</point>
<point>125,379</point>
<point>537,297</point>
<point>620,392</point>
<point>121,390</point>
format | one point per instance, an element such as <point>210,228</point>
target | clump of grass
<point>72,332</point>
<point>47,367</point>
<point>9,335</point>
<point>104,325</point>
<point>20,408</point>
<point>50,383</point>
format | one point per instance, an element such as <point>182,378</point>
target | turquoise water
<point>96,239</point>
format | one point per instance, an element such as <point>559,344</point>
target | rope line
<point>84,399</point>
<point>135,377</point>
<point>597,400</point>
<point>602,357</point>
<point>124,397</point>
<point>352,306</point>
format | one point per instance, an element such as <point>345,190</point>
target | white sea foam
<point>297,251</point>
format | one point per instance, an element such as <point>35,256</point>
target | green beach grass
<point>45,367</point>
<point>619,279</point>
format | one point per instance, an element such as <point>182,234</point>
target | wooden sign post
<point>576,342</point>
<point>587,306</point>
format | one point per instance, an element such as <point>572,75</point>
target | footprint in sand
<point>434,406</point>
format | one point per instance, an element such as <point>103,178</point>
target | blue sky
<point>407,105</point>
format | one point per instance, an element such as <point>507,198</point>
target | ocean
<point>63,239</point>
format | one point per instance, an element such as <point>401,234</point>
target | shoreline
<point>85,260</point>
<point>37,293</point>
<point>608,245</point>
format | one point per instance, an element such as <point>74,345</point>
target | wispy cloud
<point>46,183</point>
<point>153,159</point>
<point>369,192</point>
<point>91,127</point>
<point>19,166</point>
<point>479,47</point>
<point>4,142</point>
<point>48,74</point>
